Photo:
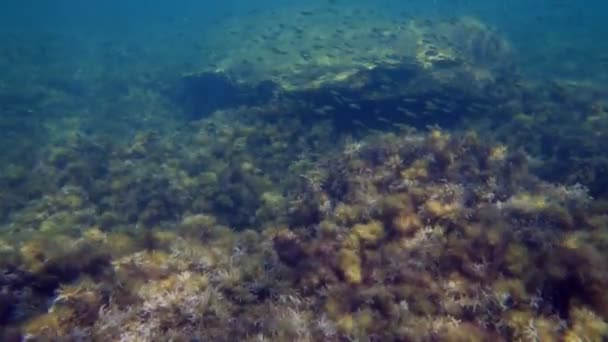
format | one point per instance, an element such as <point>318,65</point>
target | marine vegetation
<point>431,192</point>
<point>399,236</point>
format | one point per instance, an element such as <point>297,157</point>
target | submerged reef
<point>365,69</point>
<point>425,237</point>
<point>387,179</point>
<point>308,49</point>
<point>397,236</point>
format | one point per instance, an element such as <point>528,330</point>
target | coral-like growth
<point>457,254</point>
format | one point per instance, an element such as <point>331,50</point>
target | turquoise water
<point>545,32</point>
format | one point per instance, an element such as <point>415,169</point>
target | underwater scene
<point>326,170</point>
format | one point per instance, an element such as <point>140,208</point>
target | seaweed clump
<point>397,236</point>
<point>423,237</point>
<point>102,231</point>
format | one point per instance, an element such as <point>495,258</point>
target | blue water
<point>543,31</point>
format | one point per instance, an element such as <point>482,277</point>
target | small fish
<point>359,123</point>
<point>446,109</point>
<point>324,110</point>
<point>402,110</point>
<point>278,51</point>
<point>402,126</point>
<point>354,106</point>
<point>305,55</point>
<point>430,105</point>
